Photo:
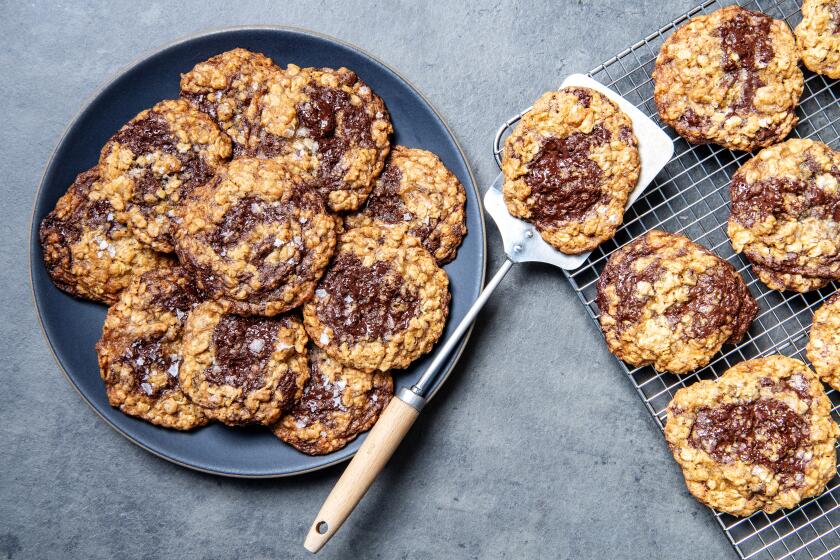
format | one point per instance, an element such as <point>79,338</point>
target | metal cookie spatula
<point>522,243</point>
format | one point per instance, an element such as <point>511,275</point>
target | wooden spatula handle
<point>380,444</point>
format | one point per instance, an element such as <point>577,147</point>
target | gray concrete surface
<point>537,447</point>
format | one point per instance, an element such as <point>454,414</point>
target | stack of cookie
<point>268,258</point>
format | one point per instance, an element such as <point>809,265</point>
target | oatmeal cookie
<point>141,349</point>
<point>759,438</point>
<point>824,344</point>
<point>87,252</point>
<point>786,214</point>
<point>730,78</point>
<point>255,238</point>
<point>417,189</point>
<point>155,160</point>
<point>338,404</point>
<point>818,36</point>
<point>570,165</point>
<point>667,301</point>
<point>243,369</point>
<point>382,303</point>
<point>227,87</point>
<point>329,126</point>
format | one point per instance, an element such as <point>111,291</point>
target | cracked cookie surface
<point>818,36</point>
<point>154,161</point>
<point>327,125</point>
<point>786,214</point>
<point>416,189</point>
<point>824,343</point>
<point>760,437</point>
<point>570,166</point>
<point>255,238</point>
<point>243,369</point>
<point>87,252</point>
<point>667,301</point>
<point>338,404</point>
<point>141,349</point>
<point>730,78</point>
<point>382,303</point>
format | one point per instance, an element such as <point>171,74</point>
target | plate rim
<point>117,74</point>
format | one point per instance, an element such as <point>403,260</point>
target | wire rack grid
<point>690,196</point>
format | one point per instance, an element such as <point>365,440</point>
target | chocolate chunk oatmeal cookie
<point>154,161</point>
<point>382,303</point>
<point>243,369</point>
<point>824,345</point>
<point>731,78</point>
<point>818,36</point>
<point>760,437</point>
<point>569,167</point>
<point>141,354</point>
<point>417,189</point>
<point>255,238</point>
<point>786,214</point>
<point>667,301</point>
<point>338,404</point>
<point>87,252</point>
<point>329,126</point>
<point>227,87</point>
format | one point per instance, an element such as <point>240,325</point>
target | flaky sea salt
<point>321,293</point>
<point>256,345</point>
<point>325,339</point>
<point>173,370</point>
<point>146,388</point>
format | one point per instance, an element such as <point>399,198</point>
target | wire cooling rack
<point>691,196</point>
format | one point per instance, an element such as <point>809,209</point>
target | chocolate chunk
<point>582,94</point>
<point>384,202</point>
<point>564,181</point>
<point>242,218</point>
<point>762,432</point>
<point>365,303</point>
<point>782,197</point>
<point>68,229</point>
<point>625,134</point>
<point>153,134</point>
<point>243,346</point>
<point>145,355</point>
<point>745,40</point>
<point>179,298</point>
<point>693,126</point>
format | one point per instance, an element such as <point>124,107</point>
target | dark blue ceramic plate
<point>72,326</point>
